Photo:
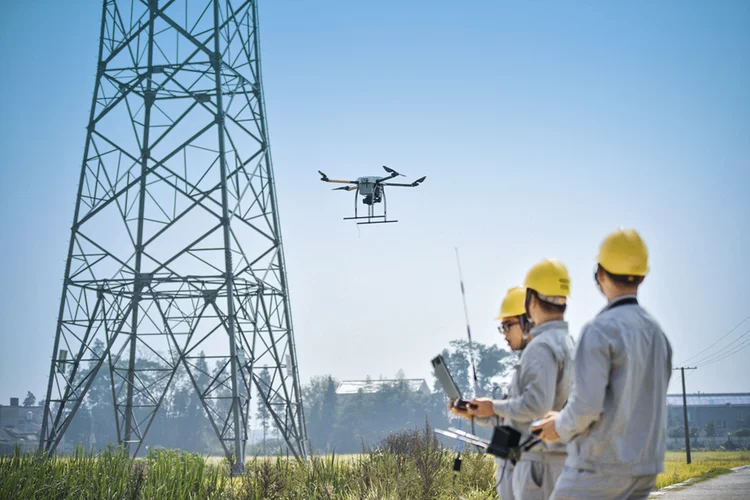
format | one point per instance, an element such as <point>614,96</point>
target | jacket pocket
<point>537,473</point>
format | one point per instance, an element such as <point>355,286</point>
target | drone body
<point>372,190</point>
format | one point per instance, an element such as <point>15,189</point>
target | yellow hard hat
<point>513,303</point>
<point>550,279</point>
<point>623,252</point>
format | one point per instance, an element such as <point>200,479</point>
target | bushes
<point>422,449</point>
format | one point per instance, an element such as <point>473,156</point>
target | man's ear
<point>533,301</point>
<point>601,276</point>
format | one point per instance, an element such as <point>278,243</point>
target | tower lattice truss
<point>176,247</point>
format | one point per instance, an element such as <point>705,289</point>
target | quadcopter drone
<point>372,189</point>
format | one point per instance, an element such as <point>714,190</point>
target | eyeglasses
<point>505,327</point>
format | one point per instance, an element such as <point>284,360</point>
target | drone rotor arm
<point>413,184</point>
<point>324,178</point>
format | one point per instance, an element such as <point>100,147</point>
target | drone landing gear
<point>368,200</point>
<point>369,219</point>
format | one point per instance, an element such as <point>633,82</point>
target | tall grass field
<point>410,466</point>
<point>702,462</point>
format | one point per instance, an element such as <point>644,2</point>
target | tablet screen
<point>444,376</point>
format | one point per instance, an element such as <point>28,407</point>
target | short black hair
<point>548,307</point>
<point>623,279</point>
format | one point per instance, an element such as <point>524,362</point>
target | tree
<point>458,364</point>
<point>263,414</point>
<point>710,429</point>
<point>100,403</point>
<point>30,399</point>
<point>319,397</point>
<point>676,432</point>
<point>492,364</point>
<point>344,422</point>
<point>197,417</point>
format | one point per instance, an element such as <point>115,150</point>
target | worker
<point>541,380</point>
<point>512,319</point>
<point>616,418</point>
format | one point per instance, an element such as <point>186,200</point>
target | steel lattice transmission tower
<point>175,245</point>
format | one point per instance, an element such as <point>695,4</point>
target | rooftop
<point>372,386</point>
<point>8,435</point>
<point>734,399</point>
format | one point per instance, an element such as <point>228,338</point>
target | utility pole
<point>684,410</point>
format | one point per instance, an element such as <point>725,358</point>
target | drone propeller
<point>418,181</point>
<point>345,188</point>
<point>392,172</point>
<point>323,177</point>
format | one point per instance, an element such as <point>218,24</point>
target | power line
<point>739,348</point>
<point>721,352</point>
<point>712,345</point>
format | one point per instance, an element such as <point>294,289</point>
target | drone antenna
<point>468,328</point>
<point>468,333</point>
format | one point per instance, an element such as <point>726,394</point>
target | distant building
<point>728,412</point>
<point>348,387</point>
<point>19,426</point>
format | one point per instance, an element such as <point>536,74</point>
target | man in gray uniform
<point>616,416</point>
<point>512,319</point>
<point>541,381</point>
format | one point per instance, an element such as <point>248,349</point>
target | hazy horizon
<point>540,129</point>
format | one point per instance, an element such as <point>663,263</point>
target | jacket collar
<point>614,302</point>
<point>549,325</point>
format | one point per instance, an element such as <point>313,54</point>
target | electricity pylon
<point>175,245</point>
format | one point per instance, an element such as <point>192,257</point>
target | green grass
<point>411,465</point>
<point>418,469</point>
<point>703,464</point>
<point>712,474</point>
<point>173,475</point>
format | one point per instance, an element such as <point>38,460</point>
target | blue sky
<point>540,128</point>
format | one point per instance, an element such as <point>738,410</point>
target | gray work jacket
<point>540,383</point>
<point>616,417</point>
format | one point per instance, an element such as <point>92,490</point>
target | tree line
<point>344,423</point>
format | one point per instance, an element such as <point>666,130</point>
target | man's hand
<point>482,407</point>
<point>460,413</point>
<point>547,428</point>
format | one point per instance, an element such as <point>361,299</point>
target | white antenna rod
<point>468,328</point>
